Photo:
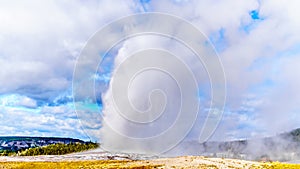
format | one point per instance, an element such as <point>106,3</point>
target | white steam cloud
<point>259,54</point>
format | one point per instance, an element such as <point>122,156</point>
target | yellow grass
<point>110,164</point>
<point>76,164</point>
<point>278,165</point>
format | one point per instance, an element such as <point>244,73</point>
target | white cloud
<point>44,121</point>
<point>40,41</point>
<point>14,100</point>
<point>27,102</point>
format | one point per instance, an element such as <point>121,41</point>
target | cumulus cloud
<point>14,100</point>
<point>42,121</point>
<point>40,42</point>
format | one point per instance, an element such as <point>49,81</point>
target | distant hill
<point>293,135</point>
<point>16,143</point>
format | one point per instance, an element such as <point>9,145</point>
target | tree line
<point>53,149</point>
<point>59,149</point>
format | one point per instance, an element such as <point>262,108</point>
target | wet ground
<point>97,154</point>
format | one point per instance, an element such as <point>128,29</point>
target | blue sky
<point>257,41</point>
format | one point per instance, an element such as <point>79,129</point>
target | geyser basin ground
<point>178,162</point>
<point>101,159</point>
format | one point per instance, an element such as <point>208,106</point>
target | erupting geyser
<point>152,100</point>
